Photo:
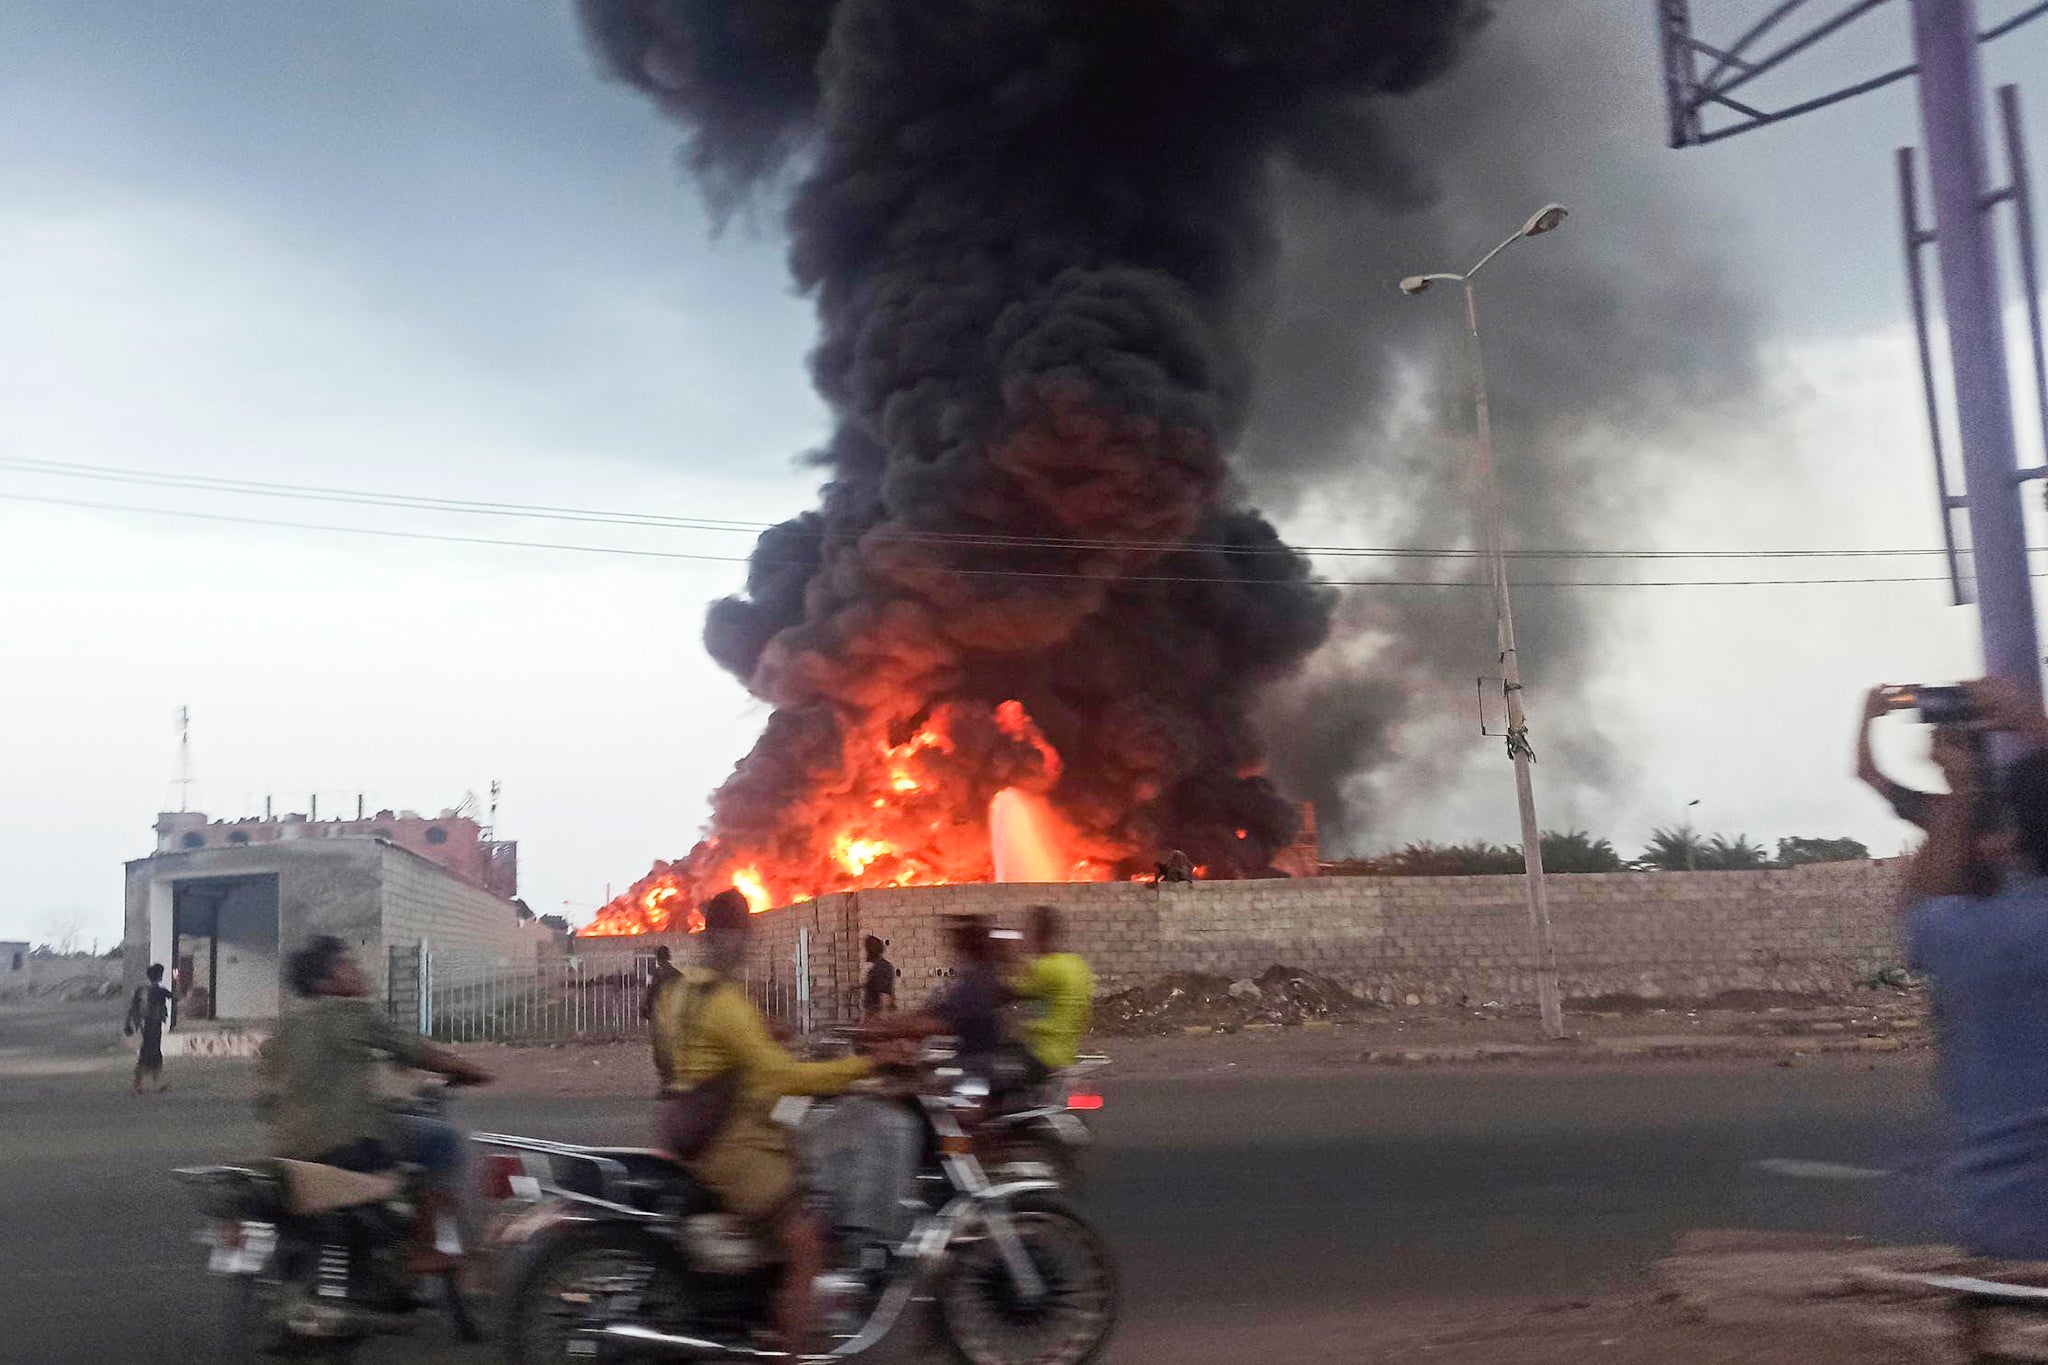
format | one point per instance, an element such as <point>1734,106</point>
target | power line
<point>635,553</point>
<point>469,506</point>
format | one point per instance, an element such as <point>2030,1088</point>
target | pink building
<point>453,841</point>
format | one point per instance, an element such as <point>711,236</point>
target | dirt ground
<point>1631,1325</point>
<point>1857,1031</point>
<point>1616,1330</point>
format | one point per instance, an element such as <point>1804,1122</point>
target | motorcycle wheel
<point>987,1323</point>
<point>569,1287</point>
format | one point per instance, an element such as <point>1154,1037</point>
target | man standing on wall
<point>148,1011</point>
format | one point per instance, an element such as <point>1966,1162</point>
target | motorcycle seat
<point>644,1179</point>
<point>311,1188</point>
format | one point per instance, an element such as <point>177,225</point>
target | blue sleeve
<point>1932,927</point>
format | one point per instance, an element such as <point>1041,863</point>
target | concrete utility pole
<point>1487,516</point>
<point>1945,43</point>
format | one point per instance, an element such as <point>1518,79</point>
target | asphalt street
<point>1230,1201</point>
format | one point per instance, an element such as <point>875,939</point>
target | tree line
<point>1678,849</point>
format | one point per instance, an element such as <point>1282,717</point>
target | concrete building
<point>223,904</point>
<point>453,840</point>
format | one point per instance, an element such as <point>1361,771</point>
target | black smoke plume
<point>1616,348</point>
<point>1039,235</point>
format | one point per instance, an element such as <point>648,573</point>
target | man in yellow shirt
<point>710,1035</point>
<point>1063,989</point>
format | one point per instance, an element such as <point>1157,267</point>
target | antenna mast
<point>181,776</point>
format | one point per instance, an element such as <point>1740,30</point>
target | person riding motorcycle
<point>319,1097</point>
<point>969,1008</point>
<point>1062,991</point>
<point>725,1073</point>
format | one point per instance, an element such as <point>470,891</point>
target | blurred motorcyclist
<point>1062,991</point>
<point>319,1096</point>
<point>969,1008</point>
<point>725,1073</point>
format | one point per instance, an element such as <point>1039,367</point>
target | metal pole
<point>1548,1001</point>
<point>2023,223</point>
<point>1952,116</point>
<point>1918,238</point>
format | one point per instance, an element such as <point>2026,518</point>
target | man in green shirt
<point>319,1096</point>
<point>1063,991</point>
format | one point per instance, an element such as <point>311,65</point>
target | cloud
<point>171,336</point>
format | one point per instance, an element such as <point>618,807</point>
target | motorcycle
<point>624,1257</point>
<point>1046,1136</point>
<point>316,1258</point>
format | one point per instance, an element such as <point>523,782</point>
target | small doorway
<point>224,943</point>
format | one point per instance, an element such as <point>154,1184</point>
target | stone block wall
<point>1681,935</point>
<point>463,922</point>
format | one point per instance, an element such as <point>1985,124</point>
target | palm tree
<point>1674,850</point>
<point>1577,851</point>
<point>1737,855</point>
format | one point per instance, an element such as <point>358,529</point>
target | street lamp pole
<point>1487,517</point>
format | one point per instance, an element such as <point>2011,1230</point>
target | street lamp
<point>1692,840</point>
<point>1486,515</point>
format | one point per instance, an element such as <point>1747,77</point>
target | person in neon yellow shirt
<point>1062,990</point>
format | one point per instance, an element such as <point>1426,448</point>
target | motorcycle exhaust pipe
<point>674,1347</point>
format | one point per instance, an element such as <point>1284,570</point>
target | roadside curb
<point>1782,1049</point>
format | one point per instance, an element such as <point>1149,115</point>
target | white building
<point>224,916</point>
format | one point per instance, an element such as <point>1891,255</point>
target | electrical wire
<point>411,502</point>
<point>1230,581</point>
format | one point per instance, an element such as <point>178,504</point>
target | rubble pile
<point>1280,996</point>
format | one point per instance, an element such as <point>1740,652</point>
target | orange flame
<point>856,855</point>
<point>747,881</point>
<point>903,814</point>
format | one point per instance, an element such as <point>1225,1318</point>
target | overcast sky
<point>417,246</point>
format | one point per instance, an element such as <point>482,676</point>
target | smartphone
<point>1936,705</point>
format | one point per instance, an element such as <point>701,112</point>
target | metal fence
<point>595,998</point>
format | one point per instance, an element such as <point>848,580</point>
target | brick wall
<point>462,921</point>
<point>1678,935</point>
<point>1657,934</point>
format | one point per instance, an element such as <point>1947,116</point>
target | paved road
<point>1244,1199</point>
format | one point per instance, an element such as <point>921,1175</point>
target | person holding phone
<point>1976,920</point>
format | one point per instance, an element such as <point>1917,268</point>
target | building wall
<point>454,841</point>
<point>51,970</point>
<point>1436,939</point>
<point>461,922</point>
<point>371,895</point>
<point>323,887</point>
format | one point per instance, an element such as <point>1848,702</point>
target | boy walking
<point>148,1011</point>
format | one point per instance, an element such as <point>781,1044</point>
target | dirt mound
<point>1284,996</point>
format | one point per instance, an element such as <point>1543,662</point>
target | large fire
<point>964,797</point>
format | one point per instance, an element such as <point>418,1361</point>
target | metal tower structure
<point>1701,79</point>
<point>182,779</point>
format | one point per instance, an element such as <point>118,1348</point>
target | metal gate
<point>599,998</point>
